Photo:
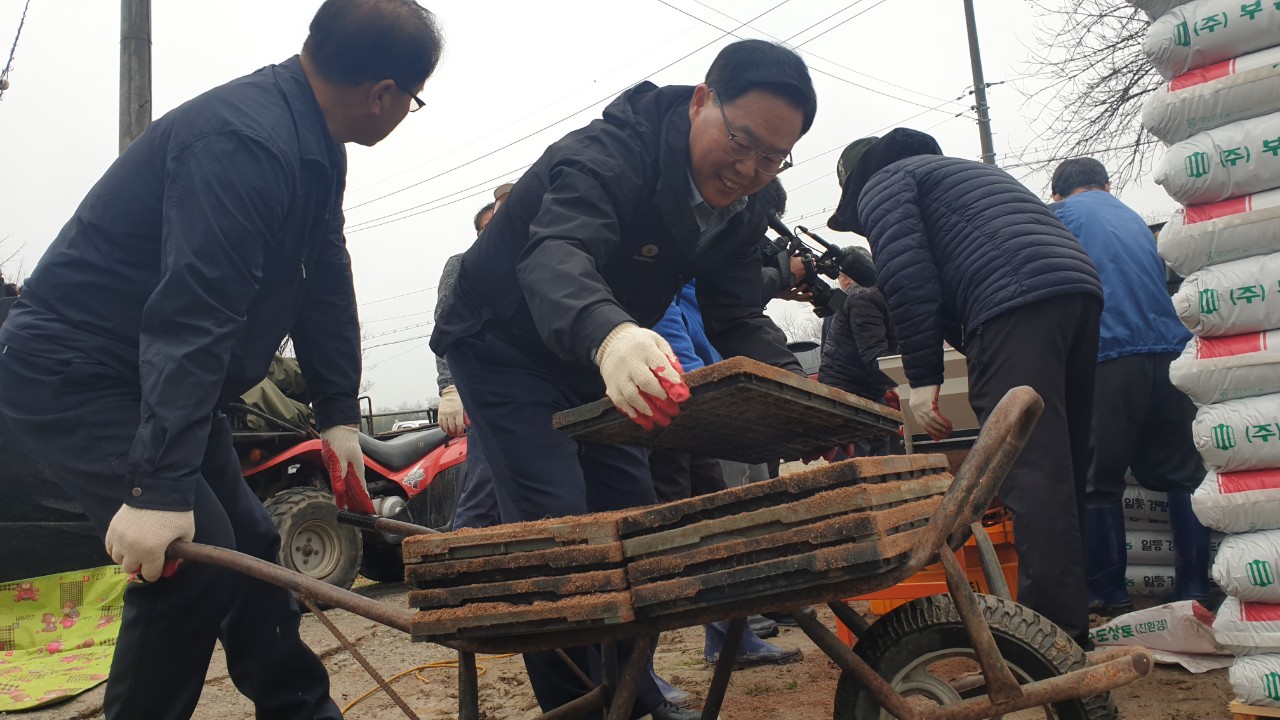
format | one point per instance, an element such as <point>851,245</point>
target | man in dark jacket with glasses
<point>215,234</point>
<point>553,304</point>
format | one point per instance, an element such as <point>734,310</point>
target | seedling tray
<point>742,410</point>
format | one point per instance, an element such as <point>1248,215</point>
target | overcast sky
<point>515,76</point>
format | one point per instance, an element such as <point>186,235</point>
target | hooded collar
<point>899,144</point>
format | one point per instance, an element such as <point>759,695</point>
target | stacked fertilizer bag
<point>1150,556</point>
<point>1220,115</point>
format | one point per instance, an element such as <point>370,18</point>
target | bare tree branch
<point>798,326</point>
<point>1090,54</point>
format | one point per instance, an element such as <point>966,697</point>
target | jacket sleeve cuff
<point>175,495</point>
<point>332,412</point>
<point>596,326</point>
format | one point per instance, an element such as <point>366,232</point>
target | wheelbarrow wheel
<point>923,651</point>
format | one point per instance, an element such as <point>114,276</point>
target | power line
<point>400,329</point>
<point>793,36</point>
<point>842,22</point>
<point>407,213</point>
<point>384,361</point>
<point>815,69</point>
<point>4,75</point>
<point>391,217</point>
<point>840,147</point>
<point>820,57</point>
<point>368,224</point>
<point>395,297</point>
<point>513,123</point>
<point>398,342</point>
<point>398,317</point>
<point>1092,151</point>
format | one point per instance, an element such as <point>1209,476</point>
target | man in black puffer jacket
<point>966,254</point>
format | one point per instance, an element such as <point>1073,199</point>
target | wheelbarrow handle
<point>318,590</point>
<point>998,445</point>
<point>383,525</point>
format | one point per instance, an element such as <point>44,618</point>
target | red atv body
<point>415,477</point>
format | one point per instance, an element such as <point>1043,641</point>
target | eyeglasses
<point>740,148</point>
<point>417,101</point>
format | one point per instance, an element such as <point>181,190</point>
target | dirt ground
<point>802,690</point>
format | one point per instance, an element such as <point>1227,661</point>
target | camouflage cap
<point>849,158</point>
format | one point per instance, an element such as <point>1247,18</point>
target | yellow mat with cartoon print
<point>57,634</point>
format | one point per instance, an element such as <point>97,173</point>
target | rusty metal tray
<point>522,592</point>
<point>858,472</point>
<point>857,527</point>
<point>525,565</point>
<point>742,410</point>
<point>500,540</point>
<point>500,620</point>
<point>781,580</point>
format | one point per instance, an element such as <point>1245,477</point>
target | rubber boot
<point>1191,550</point>
<point>751,649</point>
<point>1105,556</point>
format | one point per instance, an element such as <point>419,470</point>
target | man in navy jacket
<point>211,237</point>
<point>553,303</point>
<point>1140,420</point>
<point>966,254</point>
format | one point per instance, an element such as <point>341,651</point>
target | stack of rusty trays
<point>526,578</point>
<point>743,410</point>
<point>794,540</point>
<point>770,544</point>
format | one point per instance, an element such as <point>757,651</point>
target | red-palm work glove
<point>340,448</point>
<point>892,399</point>
<point>641,375</point>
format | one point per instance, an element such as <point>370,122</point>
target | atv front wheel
<point>311,539</point>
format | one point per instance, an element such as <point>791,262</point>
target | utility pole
<point>135,69</point>
<point>979,87</point>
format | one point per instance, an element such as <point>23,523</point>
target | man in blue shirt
<point>1141,421</point>
<point>211,237</point>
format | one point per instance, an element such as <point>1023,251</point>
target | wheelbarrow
<point>1024,660</point>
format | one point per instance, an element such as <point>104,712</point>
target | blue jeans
<point>478,501</point>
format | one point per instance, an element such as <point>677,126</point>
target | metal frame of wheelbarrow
<point>957,516</point>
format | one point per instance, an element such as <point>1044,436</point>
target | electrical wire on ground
<point>417,672</point>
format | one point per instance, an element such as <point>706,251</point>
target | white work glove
<point>641,375</point>
<point>924,406</point>
<point>453,419</point>
<point>340,448</point>
<point>137,538</point>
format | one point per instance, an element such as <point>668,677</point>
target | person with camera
<point>965,253</point>
<point>861,332</point>
<point>215,234</point>
<point>553,303</point>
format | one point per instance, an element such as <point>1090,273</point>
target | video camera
<point>832,261</point>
